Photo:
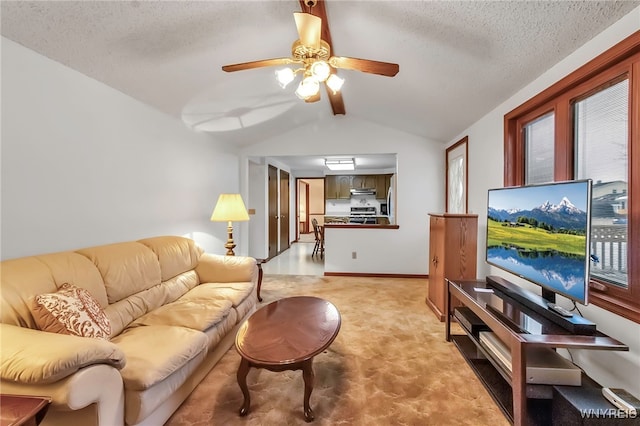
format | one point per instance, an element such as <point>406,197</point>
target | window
<point>587,125</point>
<point>538,141</point>
<point>600,143</point>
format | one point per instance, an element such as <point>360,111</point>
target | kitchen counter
<point>358,226</point>
<point>344,219</point>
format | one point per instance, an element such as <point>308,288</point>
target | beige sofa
<point>173,311</point>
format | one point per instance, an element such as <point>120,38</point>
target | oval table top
<point>288,331</point>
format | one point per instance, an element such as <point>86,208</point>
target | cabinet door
<point>358,182</point>
<point>344,187</point>
<point>436,265</point>
<point>382,186</point>
<point>370,181</point>
<point>330,187</point>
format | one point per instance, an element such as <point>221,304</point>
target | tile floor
<point>296,260</point>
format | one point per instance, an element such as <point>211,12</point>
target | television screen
<point>541,233</point>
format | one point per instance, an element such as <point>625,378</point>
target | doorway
<point>284,211</point>
<point>303,224</point>
<point>273,211</point>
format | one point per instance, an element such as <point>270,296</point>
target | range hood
<point>363,191</point>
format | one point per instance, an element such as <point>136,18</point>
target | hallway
<point>296,260</point>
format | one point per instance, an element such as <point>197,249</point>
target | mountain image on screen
<point>563,215</point>
<point>542,233</point>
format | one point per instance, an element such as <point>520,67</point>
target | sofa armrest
<point>38,357</point>
<point>215,268</point>
<point>92,396</point>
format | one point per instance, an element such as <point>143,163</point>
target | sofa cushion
<point>236,293</point>
<point>125,311</point>
<point>71,310</point>
<point>31,356</point>
<point>126,268</point>
<point>22,279</point>
<point>175,254</point>
<point>154,352</point>
<point>194,314</point>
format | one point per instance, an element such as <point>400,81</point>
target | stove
<point>363,215</point>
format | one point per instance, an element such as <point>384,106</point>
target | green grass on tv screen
<point>534,239</point>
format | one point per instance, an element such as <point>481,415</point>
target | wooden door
<point>284,211</point>
<point>273,212</point>
<point>436,263</point>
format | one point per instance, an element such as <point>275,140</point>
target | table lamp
<point>229,207</point>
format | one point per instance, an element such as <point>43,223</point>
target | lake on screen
<point>552,269</point>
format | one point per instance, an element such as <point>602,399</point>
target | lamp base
<point>230,245</point>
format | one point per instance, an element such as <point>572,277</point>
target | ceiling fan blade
<point>309,27</point>
<point>365,65</point>
<point>314,98</point>
<point>337,104</point>
<point>258,64</point>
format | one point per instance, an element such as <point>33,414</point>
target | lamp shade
<point>229,207</point>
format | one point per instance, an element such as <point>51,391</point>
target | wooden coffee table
<point>286,335</point>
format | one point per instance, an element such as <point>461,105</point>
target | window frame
<point>618,62</point>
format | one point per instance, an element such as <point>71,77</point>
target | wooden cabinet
<point>344,187</point>
<point>330,187</point>
<point>358,181</point>
<point>452,255</point>
<point>337,187</point>
<point>383,182</point>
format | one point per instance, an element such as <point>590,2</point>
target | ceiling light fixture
<point>308,87</point>
<point>340,164</point>
<point>335,83</point>
<point>285,76</point>
<point>314,71</point>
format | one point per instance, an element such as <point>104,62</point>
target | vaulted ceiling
<point>458,59</point>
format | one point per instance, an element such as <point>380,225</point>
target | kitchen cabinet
<point>382,184</point>
<point>364,181</point>
<point>330,187</point>
<point>337,187</point>
<point>453,255</point>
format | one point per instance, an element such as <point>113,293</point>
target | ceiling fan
<point>311,53</point>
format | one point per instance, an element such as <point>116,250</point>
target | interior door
<point>303,208</point>
<point>284,210</point>
<point>273,211</point>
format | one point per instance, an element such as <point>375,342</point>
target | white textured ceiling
<point>458,60</point>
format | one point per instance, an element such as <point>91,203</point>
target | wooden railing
<point>609,246</point>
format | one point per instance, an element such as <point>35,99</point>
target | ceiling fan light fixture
<point>285,76</point>
<point>340,164</point>
<point>320,70</point>
<point>335,83</point>
<point>308,87</point>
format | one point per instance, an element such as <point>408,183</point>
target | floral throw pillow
<point>71,310</point>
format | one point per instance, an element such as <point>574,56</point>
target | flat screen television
<point>541,234</point>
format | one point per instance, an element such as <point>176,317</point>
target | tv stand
<point>574,323</point>
<point>520,328</point>
<point>559,310</point>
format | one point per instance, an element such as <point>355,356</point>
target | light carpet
<point>389,365</point>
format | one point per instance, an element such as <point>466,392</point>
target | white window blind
<point>601,154</point>
<point>539,143</point>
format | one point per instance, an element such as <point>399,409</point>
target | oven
<point>363,215</point>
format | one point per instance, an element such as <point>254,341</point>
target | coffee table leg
<point>308,376</point>
<point>243,370</point>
